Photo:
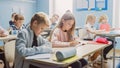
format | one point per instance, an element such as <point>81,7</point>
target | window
<point>60,6</point>
<point>97,5</point>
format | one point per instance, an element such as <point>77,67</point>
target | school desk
<point>5,39</point>
<point>82,51</point>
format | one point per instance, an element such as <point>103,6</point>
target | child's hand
<point>74,43</point>
<point>1,31</point>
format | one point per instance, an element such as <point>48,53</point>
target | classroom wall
<point>43,5</point>
<point>81,16</point>
<point>25,7</point>
<point>7,7</point>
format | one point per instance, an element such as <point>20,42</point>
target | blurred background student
<point>11,22</point>
<point>90,33</point>
<point>54,20</point>
<point>18,22</point>
<point>103,23</point>
<point>90,29</point>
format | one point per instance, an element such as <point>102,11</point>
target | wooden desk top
<point>82,51</point>
<point>109,34</point>
<point>8,37</point>
<point>88,49</point>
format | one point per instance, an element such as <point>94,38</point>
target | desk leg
<point>26,64</point>
<point>114,53</point>
<point>114,42</point>
<point>102,65</point>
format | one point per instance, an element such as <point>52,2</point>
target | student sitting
<point>63,36</point>
<point>11,22</point>
<point>90,29</point>
<point>18,22</point>
<point>104,25</point>
<point>29,41</point>
<point>91,32</point>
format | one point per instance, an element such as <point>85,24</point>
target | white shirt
<point>89,35</point>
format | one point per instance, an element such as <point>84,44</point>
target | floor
<point>109,63</point>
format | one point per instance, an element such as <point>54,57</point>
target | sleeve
<point>89,29</point>
<point>56,42</point>
<point>21,46</point>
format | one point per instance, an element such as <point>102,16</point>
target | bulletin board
<point>97,5</point>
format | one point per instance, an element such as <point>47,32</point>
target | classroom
<point>59,34</point>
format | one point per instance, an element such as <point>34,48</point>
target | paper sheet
<point>39,56</point>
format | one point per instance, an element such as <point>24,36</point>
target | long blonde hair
<point>66,16</point>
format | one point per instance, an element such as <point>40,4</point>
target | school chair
<point>82,33</point>
<point>9,51</point>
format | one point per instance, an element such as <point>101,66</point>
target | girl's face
<point>104,21</point>
<point>19,23</point>
<point>92,21</point>
<point>38,28</point>
<point>68,24</point>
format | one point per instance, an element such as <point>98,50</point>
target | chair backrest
<point>9,49</point>
<point>82,33</point>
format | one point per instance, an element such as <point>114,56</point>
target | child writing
<point>18,24</point>
<point>29,41</point>
<point>89,27</point>
<point>63,36</point>
<point>104,25</point>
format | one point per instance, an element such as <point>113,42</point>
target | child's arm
<point>57,43</point>
<point>23,49</point>
<point>95,31</point>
